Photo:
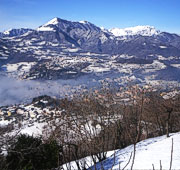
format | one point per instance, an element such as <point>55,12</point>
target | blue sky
<point>163,14</point>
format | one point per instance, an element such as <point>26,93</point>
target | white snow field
<point>148,153</point>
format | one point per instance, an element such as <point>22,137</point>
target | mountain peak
<point>47,26</point>
<point>145,30</point>
<point>53,21</point>
<point>58,22</point>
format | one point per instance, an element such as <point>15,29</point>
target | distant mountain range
<point>138,30</point>
<point>14,32</point>
<point>89,37</point>
<point>66,49</point>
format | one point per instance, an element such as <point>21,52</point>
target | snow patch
<point>84,22</point>
<point>44,28</point>
<point>162,47</point>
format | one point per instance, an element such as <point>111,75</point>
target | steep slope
<point>168,38</point>
<point>148,153</point>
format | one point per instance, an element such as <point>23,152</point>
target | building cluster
<point>28,114</point>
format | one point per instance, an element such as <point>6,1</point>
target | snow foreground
<point>149,153</point>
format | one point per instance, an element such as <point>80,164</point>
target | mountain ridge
<point>97,49</point>
<point>116,31</point>
<point>145,30</point>
<point>13,32</point>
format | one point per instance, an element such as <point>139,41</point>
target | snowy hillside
<point>15,32</point>
<point>148,153</point>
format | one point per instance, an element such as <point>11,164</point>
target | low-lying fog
<point>14,91</point>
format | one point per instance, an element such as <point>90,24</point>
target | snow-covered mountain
<point>57,23</point>
<point>64,24</point>
<point>92,49</point>
<point>14,32</point>
<point>137,30</point>
<point>82,33</point>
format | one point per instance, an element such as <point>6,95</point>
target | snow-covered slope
<point>148,153</point>
<point>46,26</point>
<point>138,30</point>
<point>15,32</point>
